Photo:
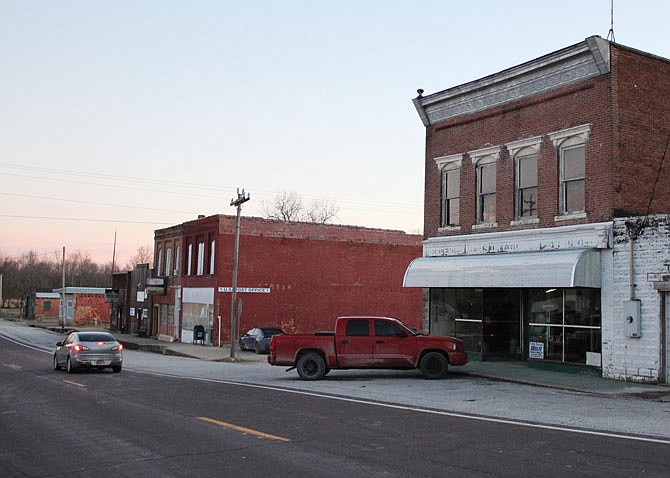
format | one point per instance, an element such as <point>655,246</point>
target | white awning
<point>569,268</point>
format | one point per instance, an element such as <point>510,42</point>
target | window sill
<point>570,216</point>
<point>448,228</point>
<point>524,222</point>
<point>484,225</point>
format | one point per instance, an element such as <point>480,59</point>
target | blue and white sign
<point>536,350</point>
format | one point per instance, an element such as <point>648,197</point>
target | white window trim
<point>486,155</point>
<point>514,147</point>
<point>452,159</point>
<point>582,132</point>
<point>177,253</point>
<point>160,261</point>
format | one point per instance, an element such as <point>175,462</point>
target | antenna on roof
<point>610,34</point>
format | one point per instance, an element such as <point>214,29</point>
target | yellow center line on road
<point>248,431</point>
<point>14,366</point>
<point>75,383</point>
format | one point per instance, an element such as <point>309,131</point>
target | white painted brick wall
<point>624,358</point>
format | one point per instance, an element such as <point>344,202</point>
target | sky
<point>122,117</point>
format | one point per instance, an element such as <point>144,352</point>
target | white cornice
<point>575,63</point>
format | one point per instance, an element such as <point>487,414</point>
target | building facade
<point>297,276</point>
<point>532,174</point>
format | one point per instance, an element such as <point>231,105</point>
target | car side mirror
<point>59,344</point>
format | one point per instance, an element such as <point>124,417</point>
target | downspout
<point>633,229</point>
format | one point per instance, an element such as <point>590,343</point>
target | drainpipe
<point>633,229</point>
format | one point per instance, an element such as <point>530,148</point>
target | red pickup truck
<point>367,342</point>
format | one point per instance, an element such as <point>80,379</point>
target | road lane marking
<point>75,383</point>
<point>14,366</point>
<point>520,423</point>
<point>431,411</point>
<point>238,428</point>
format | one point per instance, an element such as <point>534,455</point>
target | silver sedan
<point>88,350</point>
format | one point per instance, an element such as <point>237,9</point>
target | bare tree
<point>286,206</point>
<point>289,207</point>
<point>321,211</point>
<point>144,255</point>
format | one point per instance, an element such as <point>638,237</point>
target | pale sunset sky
<point>128,116</point>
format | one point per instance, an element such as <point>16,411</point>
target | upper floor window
<point>572,192</point>
<point>450,168</point>
<point>190,259</point>
<point>201,259</point>
<point>212,255</point>
<point>486,191</point>
<point>177,257</point>
<point>526,184</point>
<point>485,161</point>
<point>571,147</point>
<point>159,265</point>
<point>168,261</point>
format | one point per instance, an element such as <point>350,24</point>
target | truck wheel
<point>311,366</point>
<point>434,365</point>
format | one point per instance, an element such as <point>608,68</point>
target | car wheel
<point>56,366</point>
<point>311,366</point>
<point>257,348</point>
<point>434,365</point>
<point>68,365</point>
<point>116,368</point>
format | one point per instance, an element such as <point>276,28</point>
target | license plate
<point>102,362</point>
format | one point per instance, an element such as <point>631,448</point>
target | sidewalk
<point>514,372</point>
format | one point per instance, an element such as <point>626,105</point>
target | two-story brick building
<point>526,171</point>
<point>297,276</point>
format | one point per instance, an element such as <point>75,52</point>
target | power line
<point>83,219</point>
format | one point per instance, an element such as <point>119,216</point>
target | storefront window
<point>572,318</point>
<point>539,324</point>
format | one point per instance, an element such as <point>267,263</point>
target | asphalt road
<point>148,424</point>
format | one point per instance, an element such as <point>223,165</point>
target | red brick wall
<point>90,309</point>
<point>570,106</point>
<point>628,111</point>
<point>315,272</point>
<point>41,313</point>
<point>643,116</point>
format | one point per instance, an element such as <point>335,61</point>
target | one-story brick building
<point>297,276</point>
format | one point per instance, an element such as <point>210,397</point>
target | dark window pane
<point>573,163</point>
<point>487,176</point>
<point>453,184</point>
<point>358,328</point>
<point>454,212</point>
<point>528,172</point>
<point>488,208</point>
<point>528,202</point>
<point>574,196</point>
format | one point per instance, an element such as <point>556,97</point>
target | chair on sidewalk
<point>199,334</point>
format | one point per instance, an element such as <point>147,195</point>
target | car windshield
<point>96,338</point>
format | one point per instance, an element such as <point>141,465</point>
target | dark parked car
<point>258,339</point>
<point>88,350</point>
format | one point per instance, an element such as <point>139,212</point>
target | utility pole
<point>241,199</point>
<point>63,307</point>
